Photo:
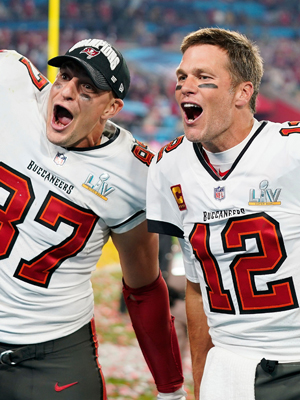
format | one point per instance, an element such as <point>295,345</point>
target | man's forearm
<point>200,340</point>
<point>153,324</point>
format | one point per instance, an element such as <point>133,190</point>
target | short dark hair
<point>245,62</point>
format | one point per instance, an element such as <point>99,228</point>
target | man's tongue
<point>63,116</point>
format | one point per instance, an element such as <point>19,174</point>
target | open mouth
<point>62,116</point>
<point>191,111</point>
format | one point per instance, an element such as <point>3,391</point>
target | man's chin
<point>55,137</point>
<point>192,134</point>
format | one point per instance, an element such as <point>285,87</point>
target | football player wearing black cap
<point>70,179</point>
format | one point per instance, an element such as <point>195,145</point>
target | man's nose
<point>69,89</point>
<point>190,85</point>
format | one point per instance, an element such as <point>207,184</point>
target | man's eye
<point>88,87</point>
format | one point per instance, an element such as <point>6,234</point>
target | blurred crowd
<point>131,24</point>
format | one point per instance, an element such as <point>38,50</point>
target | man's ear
<point>244,93</point>
<point>113,108</point>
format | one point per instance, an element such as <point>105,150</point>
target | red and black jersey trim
<point>215,176</point>
<point>164,228</point>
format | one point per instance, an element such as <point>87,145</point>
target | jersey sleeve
<point>131,223</point>
<point>130,166</point>
<point>161,213</point>
<point>188,261</point>
<point>20,76</point>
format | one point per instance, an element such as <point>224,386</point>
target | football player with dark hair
<point>229,190</point>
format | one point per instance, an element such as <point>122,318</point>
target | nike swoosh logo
<point>60,388</point>
<point>223,173</point>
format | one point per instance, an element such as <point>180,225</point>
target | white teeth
<point>190,105</point>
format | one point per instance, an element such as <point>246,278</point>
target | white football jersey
<point>240,234</point>
<point>57,208</point>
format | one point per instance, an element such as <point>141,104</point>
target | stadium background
<point>149,34</point>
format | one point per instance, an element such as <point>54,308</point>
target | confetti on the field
<point>126,373</point>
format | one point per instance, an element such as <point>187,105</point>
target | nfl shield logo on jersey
<point>60,159</point>
<point>219,193</point>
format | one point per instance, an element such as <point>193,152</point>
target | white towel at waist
<point>228,376</point>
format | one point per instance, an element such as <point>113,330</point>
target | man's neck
<point>231,138</point>
<point>221,162</point>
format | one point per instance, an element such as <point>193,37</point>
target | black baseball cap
<point>104,64</point>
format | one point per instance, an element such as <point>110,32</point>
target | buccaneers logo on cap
<point>90,52</point>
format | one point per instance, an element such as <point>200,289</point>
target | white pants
<point>228,376</point>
